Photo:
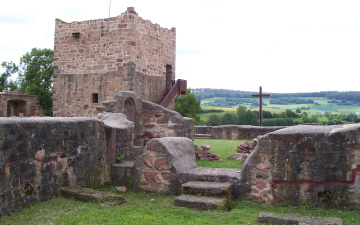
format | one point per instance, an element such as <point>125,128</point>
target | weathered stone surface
<point>313,164</point>
<point>274,218</point>
<point>159,173</point>
<point>211,189</point>
<point>87,195</point>
<point>202,203</point>
<point>41,154</point>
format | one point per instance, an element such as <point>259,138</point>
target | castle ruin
<point>95,59</point>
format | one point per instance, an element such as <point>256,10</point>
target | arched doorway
<point>129,109</point>
<point>17,107</point>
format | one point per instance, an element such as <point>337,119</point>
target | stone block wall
<point>314,165</point>
<point>95,59</point>
<point>19,103</point>
<point>235,132</point>
<point>39,155</point>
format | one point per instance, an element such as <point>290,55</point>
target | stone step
<point>87,194</point>
<point>211,175</point>
<point>210,189</point>
<point>202,136</point>
<point>202,203</point>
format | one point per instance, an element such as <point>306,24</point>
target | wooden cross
<point>260,112</point>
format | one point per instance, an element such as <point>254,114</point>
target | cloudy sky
<point>281,45</point>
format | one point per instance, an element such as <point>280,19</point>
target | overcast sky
<point>283,46</point>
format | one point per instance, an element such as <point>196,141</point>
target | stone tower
<point>95,59</point>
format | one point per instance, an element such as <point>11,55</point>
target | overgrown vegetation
<point>224,148</point>
<point>149,208</point>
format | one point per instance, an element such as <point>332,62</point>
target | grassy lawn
<point>148,208</point>
<point>224,148</point>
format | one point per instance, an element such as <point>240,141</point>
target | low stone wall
<point>235,132</point>
<point>315,165</point>
<point>40,155</point>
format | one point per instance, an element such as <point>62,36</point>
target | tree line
<point>244,116</point>
<point>204,93</point>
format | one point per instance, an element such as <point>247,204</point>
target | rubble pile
<point>203,153</point>
<point>244,150</point>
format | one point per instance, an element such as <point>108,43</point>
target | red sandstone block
<point>166,176</point>
<point>260,184</point>
<point>150,176</point>
<point>162,164</point>
<point>263,166</point>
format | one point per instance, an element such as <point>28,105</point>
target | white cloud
<point>285,46</point>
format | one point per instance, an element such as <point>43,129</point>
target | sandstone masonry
<point>20,103</point>
<point>95,59</point>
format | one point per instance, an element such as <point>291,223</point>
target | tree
<point>213,120</point>
<point>36,76</point>
<point>229,118</point>
<point>188,106</point>
<point>6,83</point>
<point>247,117</point>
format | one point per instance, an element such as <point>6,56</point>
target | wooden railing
<point>179,88</point>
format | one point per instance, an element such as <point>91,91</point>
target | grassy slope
<point>148,208</point>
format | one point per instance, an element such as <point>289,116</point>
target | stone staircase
<point>205,195</point>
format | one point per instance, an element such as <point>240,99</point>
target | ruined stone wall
<point>313,165</point>
<point>124,53</point>
<point>161,122</point>
<point>39,155</point>
<point>150,120</point>
<point>19,103</point>
<point>235,132</point>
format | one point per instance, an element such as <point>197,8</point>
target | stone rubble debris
<point>244,150</point>
<point>203,153</point>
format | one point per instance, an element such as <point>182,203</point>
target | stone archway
<point>17,107</point>
<point>129,109</point>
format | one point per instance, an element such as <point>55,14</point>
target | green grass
<point>224,148</point>
<point>148,208</point>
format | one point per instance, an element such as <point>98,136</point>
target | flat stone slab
<point>87,195</point>
<point>203,188</point>
<point>202,203</point>
<point>274,218</point>
<point>213,174</point>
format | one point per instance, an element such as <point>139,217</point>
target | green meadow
<point>313,109</point>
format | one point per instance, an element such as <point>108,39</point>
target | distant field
<point>323,106</point>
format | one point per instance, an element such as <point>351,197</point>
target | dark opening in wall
<point>95,98</point>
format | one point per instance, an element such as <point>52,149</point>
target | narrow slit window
<point>95,98</point>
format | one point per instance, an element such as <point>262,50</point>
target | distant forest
<point>346,96</point>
